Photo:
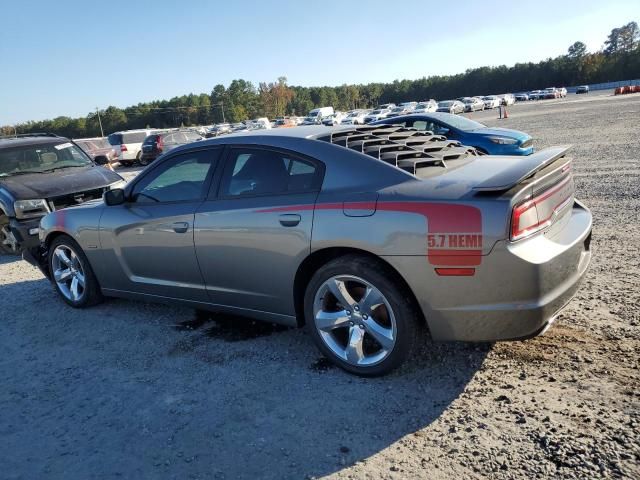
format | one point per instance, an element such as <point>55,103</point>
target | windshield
<point>463,123</point>
<point>41,158</point>
<point>313,114</point>
<point>445,104</point>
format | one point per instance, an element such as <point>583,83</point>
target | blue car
<point>491,141</point>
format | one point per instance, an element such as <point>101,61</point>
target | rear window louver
<point>405,148</point>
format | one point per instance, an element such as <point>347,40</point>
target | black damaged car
<point>40,173</point>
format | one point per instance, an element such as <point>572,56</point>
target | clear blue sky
<point>66,57</point>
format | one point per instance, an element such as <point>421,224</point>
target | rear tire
<point>71,273</point>
<point>375,332</point>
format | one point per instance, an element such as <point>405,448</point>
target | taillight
<point>159,143</point>
<point>539,212</point>
<point>123,148</point>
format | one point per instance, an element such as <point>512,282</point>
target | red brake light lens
<point>123,147</point>
<point>539,212</point>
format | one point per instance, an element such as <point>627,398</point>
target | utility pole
<point>100,122</point>
<point>222,106</point>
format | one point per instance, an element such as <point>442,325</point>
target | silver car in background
<point>429,106</point>
<point>491,101</point>
<point>451,106</point>
<point>364,234</point>
<point>472,104</point>
<point>377,114</point>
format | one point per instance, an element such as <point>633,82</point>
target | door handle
<point>180,227</point>
<point>290,219</point>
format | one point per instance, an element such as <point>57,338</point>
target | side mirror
<point>114,197</point>
<point>101,160</point>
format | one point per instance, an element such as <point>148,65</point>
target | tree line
<point>618,59</point>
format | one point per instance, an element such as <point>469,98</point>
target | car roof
<point>307,131</point>
<point>10,142</point>
<point>443,116</point>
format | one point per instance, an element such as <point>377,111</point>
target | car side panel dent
<point>82,226</point>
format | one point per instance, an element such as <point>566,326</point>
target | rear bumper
<point>149,156</point>
<point>517,290</point>
<point>497,149</point>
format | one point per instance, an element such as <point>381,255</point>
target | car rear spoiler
<point>522,168</point>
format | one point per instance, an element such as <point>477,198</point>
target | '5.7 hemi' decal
<point>454,241</point>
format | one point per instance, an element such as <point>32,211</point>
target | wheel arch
<point>6,205</point>
<point>53,235</point>
<point>319,258</point>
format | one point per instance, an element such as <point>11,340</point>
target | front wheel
<point>71,273</point>
<point>8,242</point>
<point>360,317</point>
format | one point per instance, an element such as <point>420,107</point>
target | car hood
<point>500,132</point>
<point>61,182</point>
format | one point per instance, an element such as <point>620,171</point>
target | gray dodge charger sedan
<point>363,234</point>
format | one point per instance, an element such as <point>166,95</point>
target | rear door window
<point>253,171</point>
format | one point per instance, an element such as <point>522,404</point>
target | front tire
<point>8,243</point>
<point>359,316</point>
<point>71,273</point>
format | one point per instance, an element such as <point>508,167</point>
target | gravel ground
<point>131,390</point>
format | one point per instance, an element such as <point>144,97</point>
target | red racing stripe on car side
<point>449,224</point>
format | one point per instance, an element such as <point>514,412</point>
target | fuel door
<point>361,204</point>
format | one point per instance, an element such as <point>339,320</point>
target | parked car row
<point>547,93</point>
<point>142,146</point>
<point>329,116</point>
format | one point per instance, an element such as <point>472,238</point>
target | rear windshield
<point>93,144</point>
<point>101,143</point>
<point>41,158</point>
<point>150,139</point>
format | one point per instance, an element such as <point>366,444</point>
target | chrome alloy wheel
<point>354,320</point>
<point>68,273</point>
